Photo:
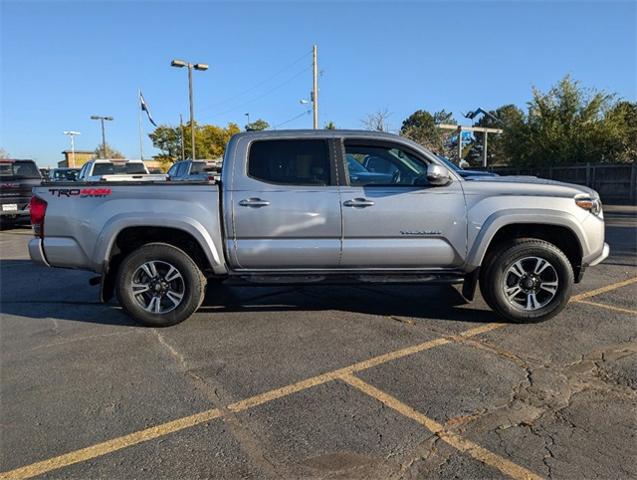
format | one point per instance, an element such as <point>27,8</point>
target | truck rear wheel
<point>527,280</point>
<point>159,285</point>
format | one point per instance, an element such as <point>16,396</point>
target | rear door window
<point>290,162</point>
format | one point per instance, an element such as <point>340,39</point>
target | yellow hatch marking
<point>459,443</point>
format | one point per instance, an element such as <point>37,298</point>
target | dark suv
<point>17,178</point>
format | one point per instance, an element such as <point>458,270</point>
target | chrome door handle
<point>254,202</point>
<point>358,203</point>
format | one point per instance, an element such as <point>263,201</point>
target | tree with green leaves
<point>506,117</point>
<point>168,140</point>
<point>110,152</point>
<point>210,140</point>
<point>422,127</point>
<point>257,125</point>
<point>570,124</point>
<point>330,126</point>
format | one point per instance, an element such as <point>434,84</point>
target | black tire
<point>497,277</point>
<point>191,285</point>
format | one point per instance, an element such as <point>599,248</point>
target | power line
<point>265,94</point>
<point>307,112</point>
<point>254,87</point>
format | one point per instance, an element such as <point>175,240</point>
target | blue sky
<point>64,61</point>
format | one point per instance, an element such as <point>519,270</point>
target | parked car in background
<point>193,170</point>
<point>45,173</point>
<point>64,174</point>
<point>17,178</point>
<point>116,170</point>
<point>464,173</point>
<point>358,172</point>
<point>289,210</point>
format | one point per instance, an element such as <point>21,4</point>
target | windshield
<point>19,169</point>
<point>129,168</point>
<point>70,174</point>
<point>354,166</point>
<point>449,163</point>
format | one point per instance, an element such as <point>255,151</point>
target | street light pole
<point>101,119</point>
<point>71,134</point>
<point>190,66</point>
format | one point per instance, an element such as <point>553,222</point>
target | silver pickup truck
<point>306,207</point>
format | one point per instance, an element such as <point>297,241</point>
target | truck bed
<point>84,219</point>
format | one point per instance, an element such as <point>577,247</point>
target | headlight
<point>593,205</point>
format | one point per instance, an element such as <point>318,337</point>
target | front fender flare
<point>501,219</point>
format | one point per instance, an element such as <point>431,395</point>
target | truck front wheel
<point>527,280</point>
<point>159,285</point>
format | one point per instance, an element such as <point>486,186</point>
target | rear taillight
<point>38,210</point>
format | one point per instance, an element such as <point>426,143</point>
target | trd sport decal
<point>80,192</point>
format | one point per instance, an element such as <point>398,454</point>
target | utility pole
<point>196,66</point>
<point>101,119</point>
<point>315,86</point>
<point>139,124</point>
<point>71,134</point>
<point>183,147</point>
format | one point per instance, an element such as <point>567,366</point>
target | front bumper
<point>36,252</point>
<point>602,257</point>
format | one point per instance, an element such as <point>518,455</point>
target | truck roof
<point>319,133</point>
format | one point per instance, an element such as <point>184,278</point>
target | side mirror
<point>438,176</point>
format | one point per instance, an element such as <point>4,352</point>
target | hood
<point>529,185</point>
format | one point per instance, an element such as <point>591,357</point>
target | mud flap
<point>470,284</point>
<point>107,284</point>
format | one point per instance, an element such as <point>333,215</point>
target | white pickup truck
<point>116,170</point>
<point>318,206</point>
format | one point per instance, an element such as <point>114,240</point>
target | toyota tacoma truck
<point>290,209</point>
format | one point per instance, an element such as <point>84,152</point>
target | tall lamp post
<point>71,134</point>
<point>196,66</point>
<point>102,119</point>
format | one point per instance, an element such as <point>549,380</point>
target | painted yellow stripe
<point>110,446</point>
<point>607,288</point>
<point>356,367</point>
<point>482,454</point>
<point>176,425</point>
<point>609,307</point>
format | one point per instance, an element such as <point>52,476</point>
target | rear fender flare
<point>115,225</point>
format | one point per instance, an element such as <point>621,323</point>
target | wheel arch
<point>560,229</point>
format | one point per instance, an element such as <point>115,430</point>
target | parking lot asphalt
<point>318,382</point>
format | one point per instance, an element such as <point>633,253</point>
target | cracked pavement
<point>558,399</point>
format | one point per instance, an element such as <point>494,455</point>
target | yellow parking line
<point>609,307</point>
<point>134,438</point>
<point>109,446</point>
<point>459,443</point>
<point>607,288</point>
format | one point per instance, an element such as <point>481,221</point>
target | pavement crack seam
<point>458,442</point>
<point>249,444</point>
<point>157,431</point>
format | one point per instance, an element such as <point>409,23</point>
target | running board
<point>345,279</point>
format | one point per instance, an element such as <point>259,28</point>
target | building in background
<point>81,157</point>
